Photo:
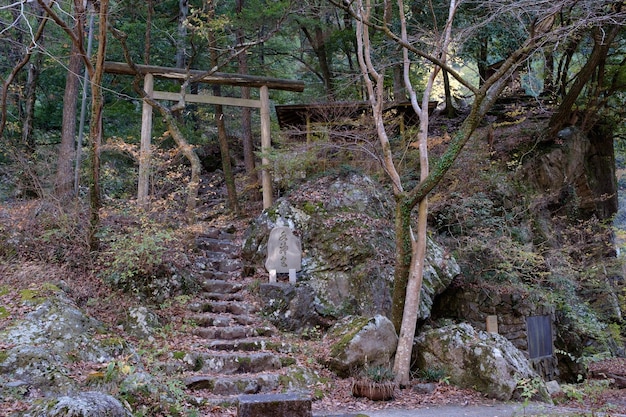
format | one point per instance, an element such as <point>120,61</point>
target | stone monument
<point>284,253</point>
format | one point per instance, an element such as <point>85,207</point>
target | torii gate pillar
<point>266,144</point>
<point>143,179</point>
<point>263,103</point>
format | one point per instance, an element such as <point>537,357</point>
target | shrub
<point>142,260</point>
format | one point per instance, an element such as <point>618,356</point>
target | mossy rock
<point>358,343</point>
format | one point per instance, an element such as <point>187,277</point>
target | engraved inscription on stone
<point>284,251</point>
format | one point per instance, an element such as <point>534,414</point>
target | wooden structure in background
<point>264,84</point>
<point>303,118</point>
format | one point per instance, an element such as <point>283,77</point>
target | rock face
<point>54,333</point>
<point>292,307</point>
<point>346,228</point>
<point>578,173</point>
<point>475,359</point>
<point>511,306</point>
<point>357,343</point>
<point>36,355</point>
<point>86,404</point>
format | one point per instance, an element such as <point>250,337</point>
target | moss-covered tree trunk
<point>403,258</point>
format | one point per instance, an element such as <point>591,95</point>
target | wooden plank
<point>207,99</point>
<point>206,76</point>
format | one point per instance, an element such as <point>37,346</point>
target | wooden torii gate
<point>264,84</point>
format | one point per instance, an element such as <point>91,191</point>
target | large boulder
<point>346,228</point>
<point>37,353</point>
<point>358,343</point>
<point>483,361</point>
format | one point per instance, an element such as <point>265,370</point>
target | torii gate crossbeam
<point>263,83</point>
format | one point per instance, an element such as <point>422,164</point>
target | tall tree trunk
<point>318,40</point>
<point>181,39</point>
<point>148,35</point>
<point>30,92</point>
<point>65,174</point>
<point>450,110</point>
<point>399,92</point>
<point>222,137</point>
<point>95,128</point>
<point>229,178</point>
<point>4,91</point>
<point>481,61</point>
<point>404,245</point>
<point>65,167</point>
<point>548,72</point>
<point>253,188</point>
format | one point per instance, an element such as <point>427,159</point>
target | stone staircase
<point>236,351</point>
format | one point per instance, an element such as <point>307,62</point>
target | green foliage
<point>379,373</point>
<point>529,388</point>
<point>585,391</point>
<point>135,257</point>
<point>433,374</point>
<point>490,245</point>
<point>291,167</point>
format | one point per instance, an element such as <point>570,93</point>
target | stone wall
<point>512,306</point>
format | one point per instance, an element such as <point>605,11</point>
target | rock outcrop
<point>577,174</point>
<point>486,362</point>
<point>346,228</point>
<point>86,404</point>
<point>55,333</point>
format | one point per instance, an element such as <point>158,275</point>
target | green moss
<point>245,363</point>
<point>355,326</point>
<point>311,208</point>
<point>287,361</point>
<point>31,296</point>
<point>179,355</point>
<point>3,355</point>
<point>284,380</point>
<point>4,313</point>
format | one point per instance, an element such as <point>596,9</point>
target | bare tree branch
<point>7,83</point>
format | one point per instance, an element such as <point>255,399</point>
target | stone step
<point>217,275</point>
<point>223,297</point>
<point>252,344</point>
<point>232,332</point>
<point>219,245</point>
<point>233,385</point>
<point>219,262</point>
<point>221,286</point>
<point>284,405</point>
<point>232,363</point>
<point>223,320</point>
<point>231,307</point>
<point>215,233</point>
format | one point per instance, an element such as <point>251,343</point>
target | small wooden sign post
<point>492,324</point>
